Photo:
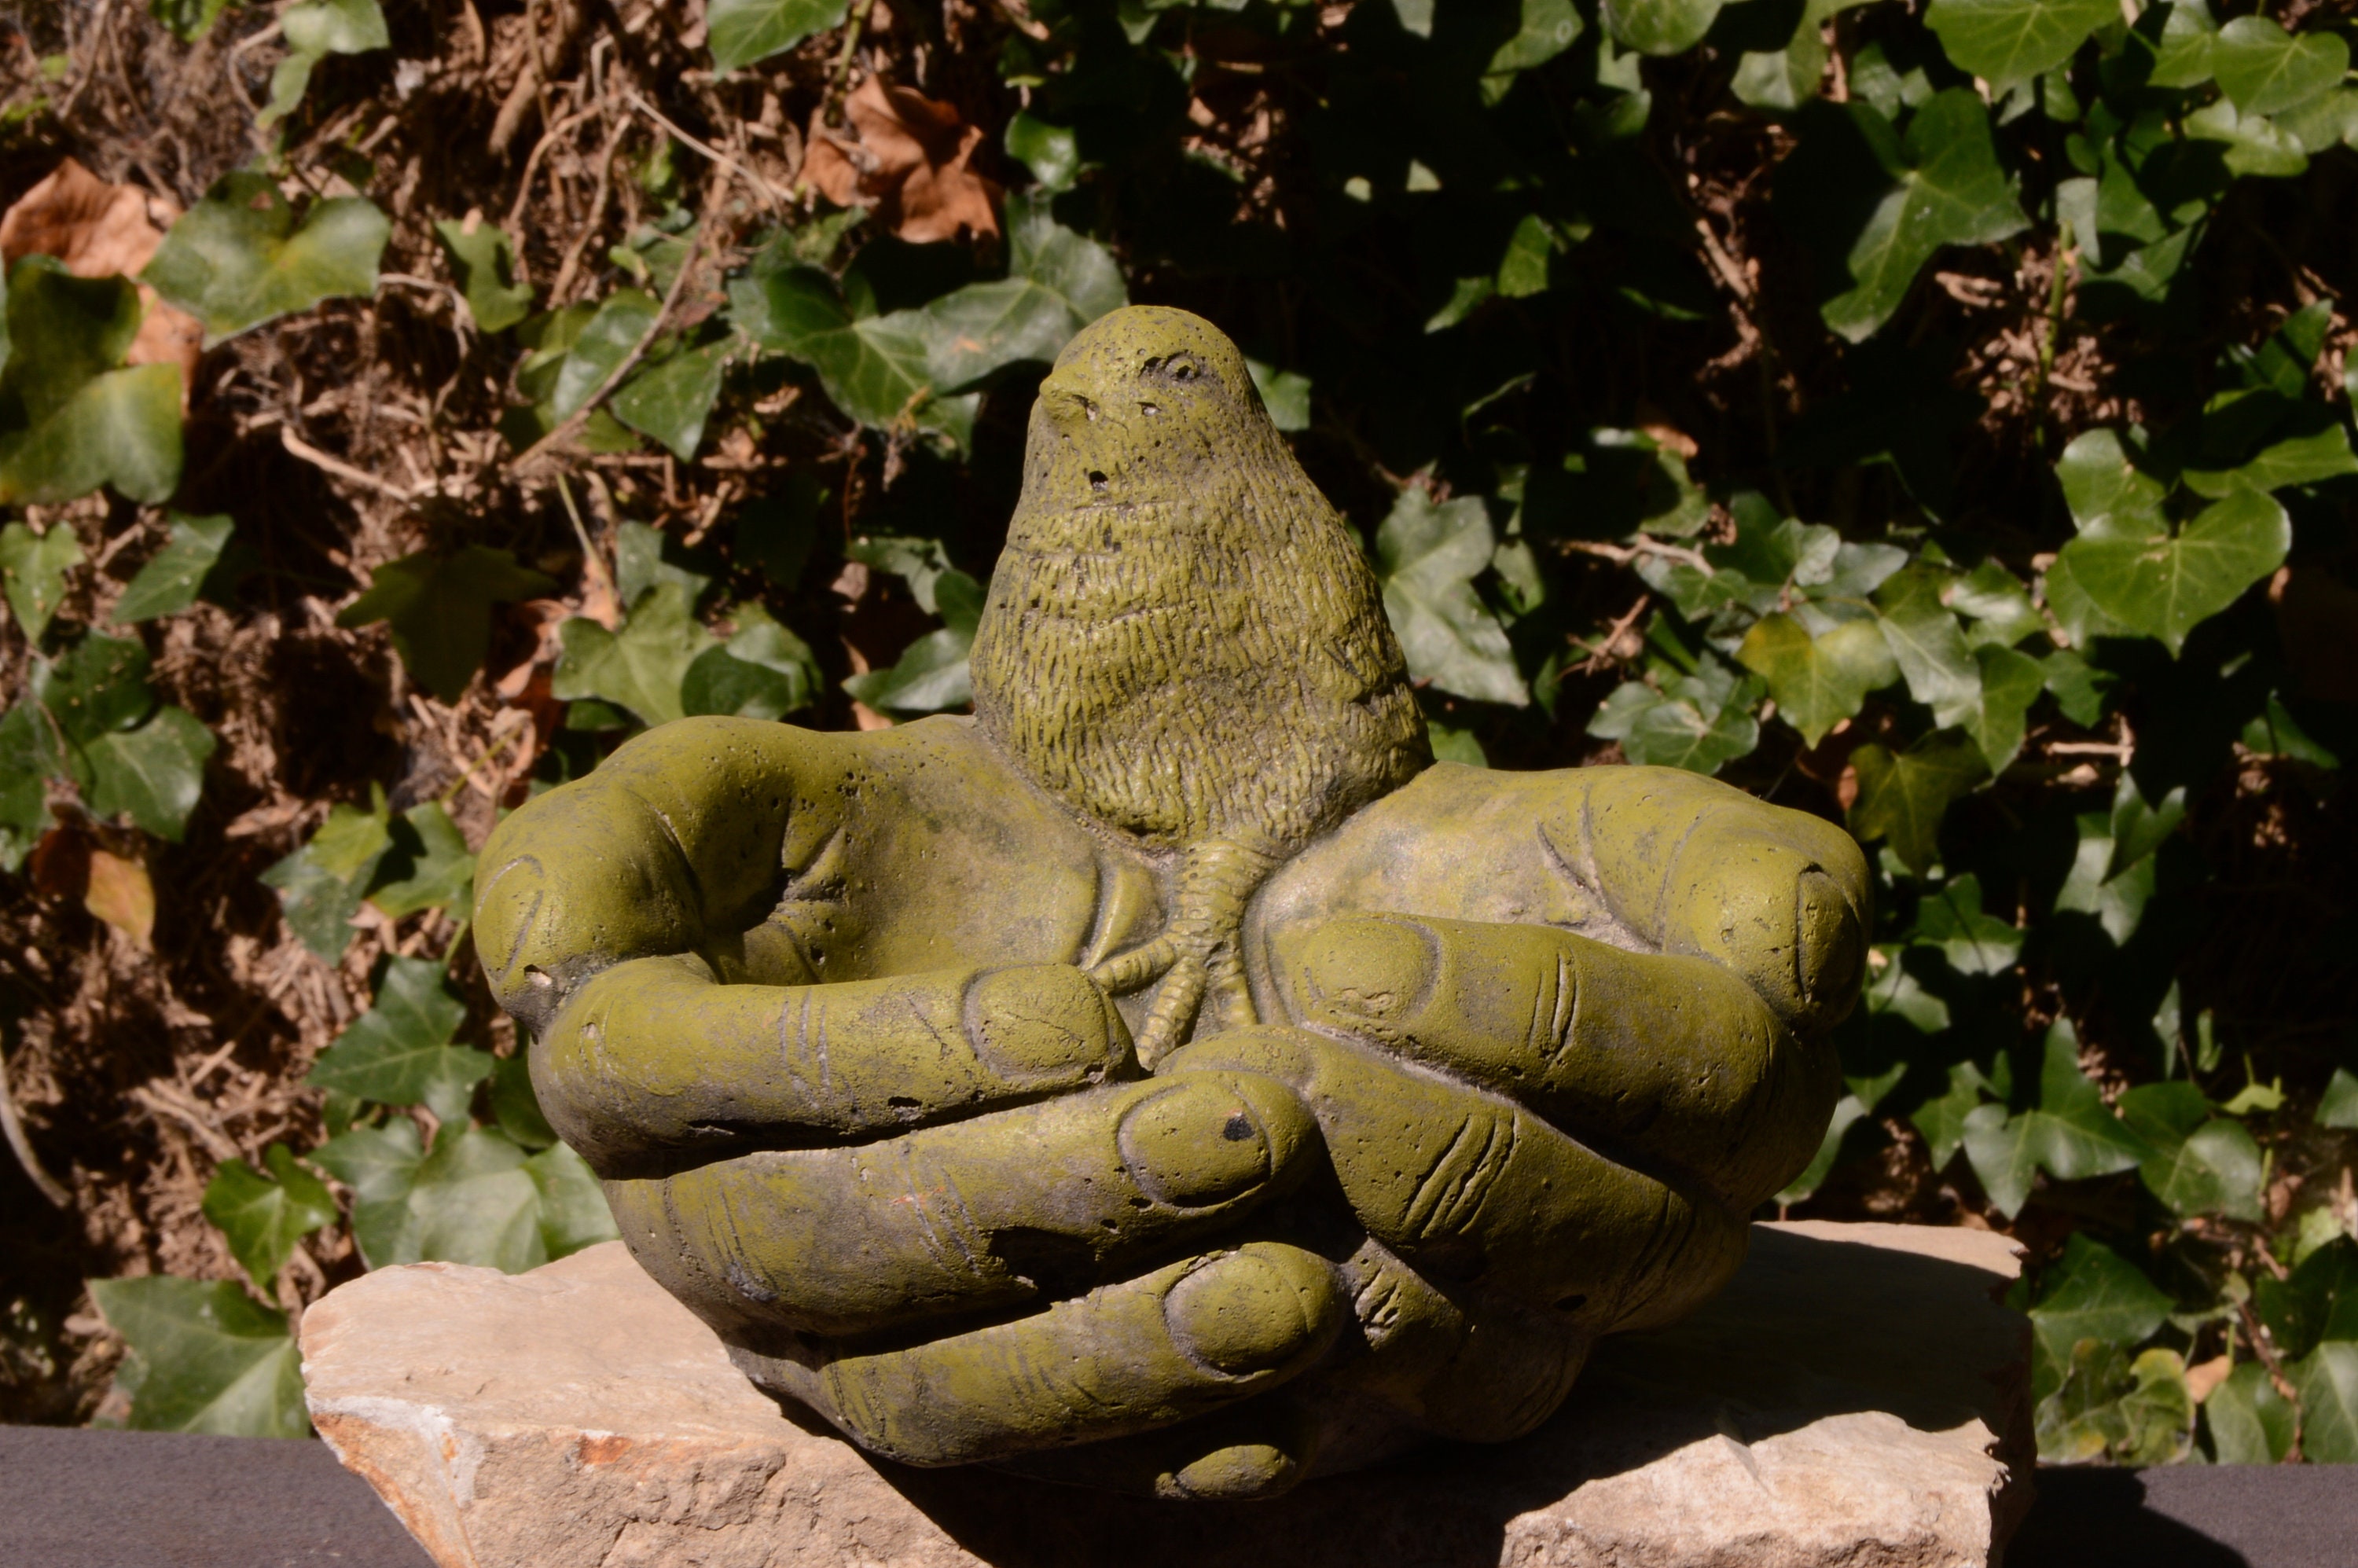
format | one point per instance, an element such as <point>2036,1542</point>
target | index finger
<point>1777,896</point>
<point>653,1062</point>
<point>1651,859</point>
<point>1670,1060</point>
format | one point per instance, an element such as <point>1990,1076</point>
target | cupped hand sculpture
<point>1170,1079</point>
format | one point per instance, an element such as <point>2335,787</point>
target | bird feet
<point>1198,958</point>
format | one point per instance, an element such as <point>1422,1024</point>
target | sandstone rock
<point>1856,1397</point>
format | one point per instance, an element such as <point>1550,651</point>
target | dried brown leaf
<point>121,894</point>
<point>911,158</point>
<point>101,230</point>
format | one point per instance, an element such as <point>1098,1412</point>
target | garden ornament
<point>1169,1078</point>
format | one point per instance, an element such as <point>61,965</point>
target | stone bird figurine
<point>1183,643</point>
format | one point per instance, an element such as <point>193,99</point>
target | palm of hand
<point>814,1005</point>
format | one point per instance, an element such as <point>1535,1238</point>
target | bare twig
<point>169,1099</point>
<point>597,214</point>
<point>831,114</point>
<point>1622,554</point>
<point>776,198</point>
<point>298,447</point>
<point>22,1147</point>
<point>531,167</point>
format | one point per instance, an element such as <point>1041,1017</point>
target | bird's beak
<point>1070,410</point>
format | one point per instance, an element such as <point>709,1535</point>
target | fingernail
<point>1241,1473</point>
<point>1194,1144</point>
<point>1044,1020</point>
<point>1239,1314</point>
<point>1832,948</point>
<point>1362,970</point>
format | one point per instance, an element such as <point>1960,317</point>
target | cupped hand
<point>944,1209</point>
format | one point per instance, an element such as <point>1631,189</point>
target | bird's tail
<point>1199,957</point>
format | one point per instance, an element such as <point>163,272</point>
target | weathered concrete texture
<point>1855,1398</point>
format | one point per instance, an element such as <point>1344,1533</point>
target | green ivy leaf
<point>1053,152</point>
<point>480,1199</point>
<point>2263,69</point>
<point>743,31</point>
<point>1284,393</point>
<point>2250,1422</point>
<point>474,1203</point>
<point>2001,612</point>
<point>70,421</point>
<point>2253,143</point>
<point>1876,205</point>
<point>1848,1112</point>
<point>1544,30</point>
<point>198,561</point>
<point>205,1357</point>
<point>398,1052</point>
<point>2138,574</point>
<point>573,1212</point>
<point>2090,1293</point>
<point>1817,682</point>
<point>315,29</point>
<point>1057,283</point>
<point>644,558</point>
<point>2007,41</point>
<point>2010,683</point>
<point>439,609</point>
<point>763,672</point>
<point>641,666</point>
<point>2340,1105</point>
<point>28,757</point>
<point>485,258</point>
<point>1660,27</point>
<point>876,369</point>
<point>600,346</point>
<point>931,673</point>
<point>671,399</point>
<point>380,1165</point>
<point>2109,1407</point>
<point>262,1217</point>
<point>125,755</point>
<point>1951,919</point>
<point>2202,1163</point>
<point>189,20</point>
<point>1942,1119</point>
<point>2311,459</point>
<point>2182,43</point>
<point>1930,647</point>
<point>2327,1381</point>
<point>34,567</point>
<point>2104,883</point>
<point>428,865</point>
<point>1700,722</point>
<point>516,1107</point>
<point>1902,796</point>
<point>1427,555</point>
<point>243,256</point>
<point>153,775</point>
<point>96,687</point>
<point>320,885</point>
<point>2071,1133</point>
<point>2317,1302</point>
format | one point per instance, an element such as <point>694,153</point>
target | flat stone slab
<point>1856,1397</point>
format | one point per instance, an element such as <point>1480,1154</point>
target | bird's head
<point>1147,404</point>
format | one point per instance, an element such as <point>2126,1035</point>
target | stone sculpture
<point>1170,1079</point>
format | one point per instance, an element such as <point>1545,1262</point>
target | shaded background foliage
<point>1928,416</point>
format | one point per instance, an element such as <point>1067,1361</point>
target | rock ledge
<point>1856,1397</point>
